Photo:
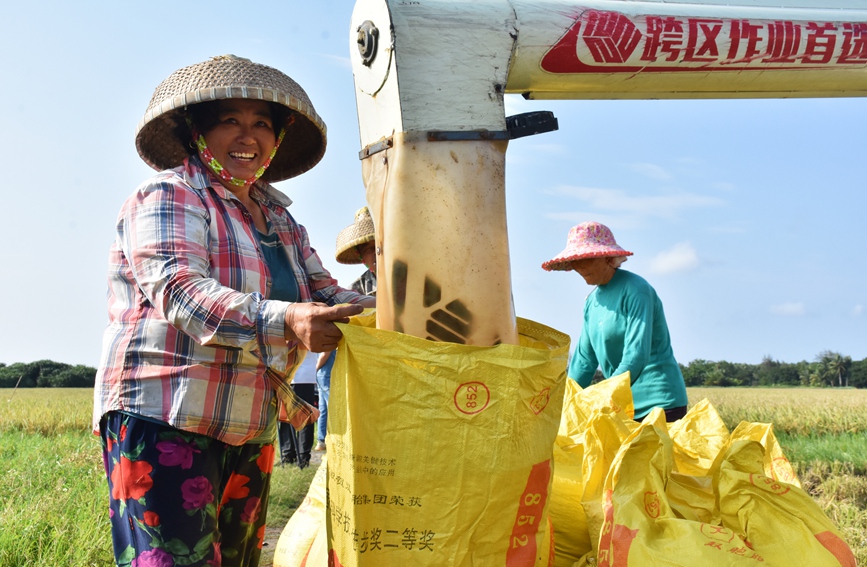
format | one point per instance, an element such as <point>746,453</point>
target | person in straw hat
<point>624,324</point>
<point>356,245</point>
<point>215,295</point>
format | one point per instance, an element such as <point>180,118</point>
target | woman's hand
<point>312,324</point>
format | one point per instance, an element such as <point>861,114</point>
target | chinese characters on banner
<point>606,41</point>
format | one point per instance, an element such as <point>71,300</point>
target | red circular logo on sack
<point>472,397</point>
<point>769,484</point>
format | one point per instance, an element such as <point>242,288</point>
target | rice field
<point>53,492</point>
<point>808,412</point>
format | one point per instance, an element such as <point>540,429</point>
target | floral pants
<point>178,498</point>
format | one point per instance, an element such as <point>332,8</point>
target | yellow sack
<point>583,451</point>
<point>758,520</point>
<point>774,463</point>
<point>778,522</point>
<point>302,541</point>
<point>685,493</point>
<point>439,453</point>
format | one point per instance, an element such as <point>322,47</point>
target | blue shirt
<point>625,329</point>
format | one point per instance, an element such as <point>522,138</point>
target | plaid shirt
<point>192,339</point>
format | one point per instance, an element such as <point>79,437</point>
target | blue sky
<point>747,216</point>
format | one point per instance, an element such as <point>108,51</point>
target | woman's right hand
<point>312,324</point>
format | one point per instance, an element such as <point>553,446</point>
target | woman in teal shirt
<point>624,324</point>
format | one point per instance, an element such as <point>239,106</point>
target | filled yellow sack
<point>583,452</point>
<point>777,521</point>
<point>687,493</point>
<point>439,453</point>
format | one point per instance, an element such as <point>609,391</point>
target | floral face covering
<point>218,168</point>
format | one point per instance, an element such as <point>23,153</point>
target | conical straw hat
<point>359,232</point>
<point>224,77</point>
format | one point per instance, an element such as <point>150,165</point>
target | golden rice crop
<point>48,411</point>
<point>794,411</point>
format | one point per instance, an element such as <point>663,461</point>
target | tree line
<point>828,369</point>
<point>46,374</point>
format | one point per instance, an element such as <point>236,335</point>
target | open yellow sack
<point>439,453</point>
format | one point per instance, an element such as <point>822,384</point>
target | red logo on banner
<point>615,539</point>
<point>602,41</point>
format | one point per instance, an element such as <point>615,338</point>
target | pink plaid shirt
<point>192,339</point>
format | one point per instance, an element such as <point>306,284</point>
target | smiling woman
<point>216,296</point>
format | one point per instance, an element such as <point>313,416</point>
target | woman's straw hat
<point>586,240</point>
<point>225,77</point>
<point>359,232</point>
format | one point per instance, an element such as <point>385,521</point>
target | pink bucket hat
<point>586,240</point>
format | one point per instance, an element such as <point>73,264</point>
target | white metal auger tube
<point>430,77</point>
<point>438,206</point>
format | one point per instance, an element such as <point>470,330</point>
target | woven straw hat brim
<point>358,233</point>
<point>222,78</point>
<point>562,263</point>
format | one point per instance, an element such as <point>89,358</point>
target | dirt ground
<point>272,533</point>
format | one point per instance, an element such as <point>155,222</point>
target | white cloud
<point>651,170</point>
<point>666,205</point>
<point>794,309</point>
<point>858,310</point>
<point>682,257</point>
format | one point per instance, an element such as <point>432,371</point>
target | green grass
<point>53,493</point>
<point>54,501</point>
<point>849,448</point>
